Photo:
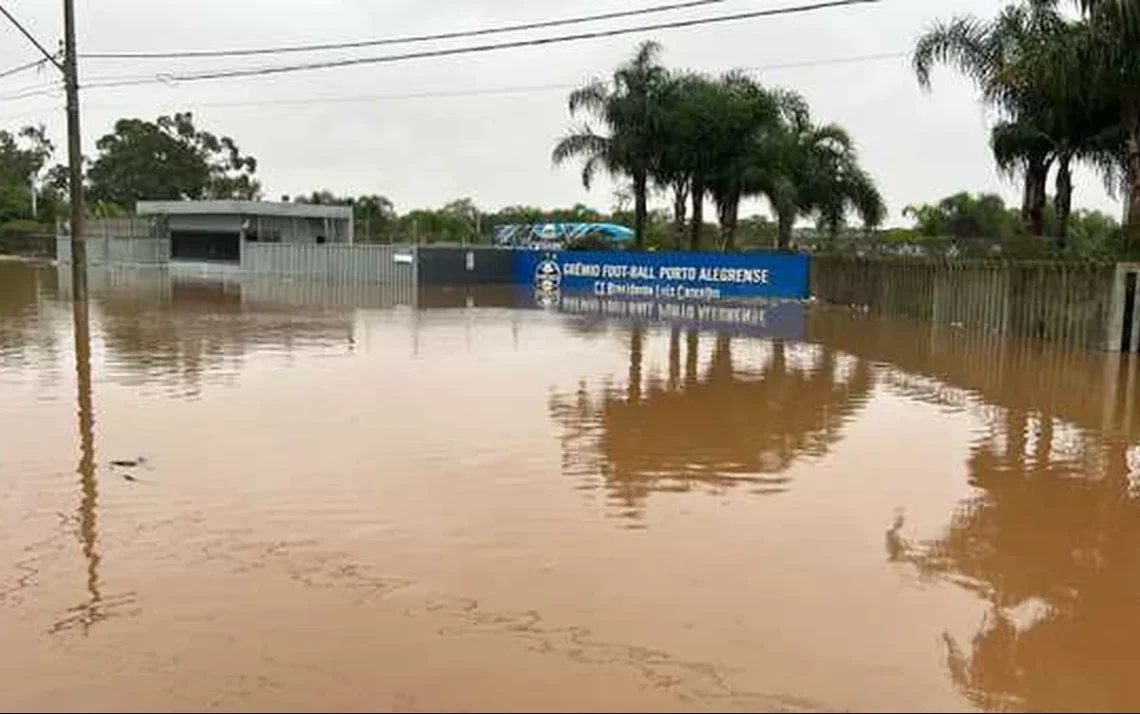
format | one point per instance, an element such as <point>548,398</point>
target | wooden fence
<point>1078,305</point>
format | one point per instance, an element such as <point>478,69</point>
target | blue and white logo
<point>547,277</point>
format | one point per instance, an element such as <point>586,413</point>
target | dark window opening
<point>205,247</point>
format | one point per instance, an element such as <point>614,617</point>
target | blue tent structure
<point>547,234</point>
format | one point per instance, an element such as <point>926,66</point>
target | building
<point>217,231</point>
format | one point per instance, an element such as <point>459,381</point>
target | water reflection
<point>26,335</point>
<point>742,423</point>
<point>179,332</point>
<point>90,611</point>
<point>1032,516</point>
<point>1050,540</point>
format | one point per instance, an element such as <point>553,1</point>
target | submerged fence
<point>118,241</point>
<point>1078,305</point>
<point>387,264</point>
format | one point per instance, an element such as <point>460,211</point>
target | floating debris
<point>129,463</point>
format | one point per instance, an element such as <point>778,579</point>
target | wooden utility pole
<point>74,154</point>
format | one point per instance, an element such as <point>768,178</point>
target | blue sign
<point>665,276</point>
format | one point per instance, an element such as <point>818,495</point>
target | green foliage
<point>982,225</point>
<point>23,225</point>
<point>964,215</point>
<point>24,159</point>
<point>724,138</point>
<point>1065,91</point>
<point>628,110</point>
<point>169,159</point>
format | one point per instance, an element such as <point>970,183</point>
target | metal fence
<point>387,264</point>
<point>1073,304</point>
<point>118,241</point>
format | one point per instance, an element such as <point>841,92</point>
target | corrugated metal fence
<point>386,264</point>
<point>1080,305</point>
<point>118,241</point>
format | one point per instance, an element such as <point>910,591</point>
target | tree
<point>23,157</point>
<point>679,168</point>
<point>688,148</point>
<point>629,108</point>
<point>375,217</point>
<point>1066,92</point>
<point>1115,69</point>
<point>805,169</point>
<point>169,159</point>
<point>744,116</point>
<point>964,215</point>
<point>988,53</point>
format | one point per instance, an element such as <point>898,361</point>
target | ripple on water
<point>522,496</point>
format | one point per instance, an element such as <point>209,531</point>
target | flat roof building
<point>216,231</point>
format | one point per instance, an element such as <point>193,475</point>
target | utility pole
<point>74,154</point>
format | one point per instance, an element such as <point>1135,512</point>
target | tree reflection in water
<point>28,335</point>
<point>1051,540</point>
<point>735,425</point>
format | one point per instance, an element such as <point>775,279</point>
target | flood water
<point>347,501</point>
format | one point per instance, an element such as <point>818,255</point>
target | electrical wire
<point>35,91</point>
<point>521,89</point>
<point>546,24</point>
<point>31,38</point>
<point>21,68</point>
<point>478,49</point>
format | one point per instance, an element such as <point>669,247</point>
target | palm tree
<point>1062,115</point>
<point>1113,39</point>
<point>744,117</point>
<point>629,108</point>
<point>674,170</point>
<point>804,169</point>
<point>686,156</point>
<point>989,53</point>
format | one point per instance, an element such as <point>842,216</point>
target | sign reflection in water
<point>760,455</point>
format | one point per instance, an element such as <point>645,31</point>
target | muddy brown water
<point>345,502</point>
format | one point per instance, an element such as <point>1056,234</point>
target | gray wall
<point>464,265</point>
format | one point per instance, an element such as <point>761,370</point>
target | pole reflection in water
<point>89,612</point>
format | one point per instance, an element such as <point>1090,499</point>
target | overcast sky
<point>490,145</point>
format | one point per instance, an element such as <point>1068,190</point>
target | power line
<point>36,91</point>
<point>21,68</point>
<point>521,89</point>
<point>478,49</point>
<point>192,54</point>
<point>29,92</point>
<point>31,38</point>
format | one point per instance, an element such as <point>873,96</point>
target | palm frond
<point>590,97</point>
<point>963,43</point>
<point>582,143</point>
